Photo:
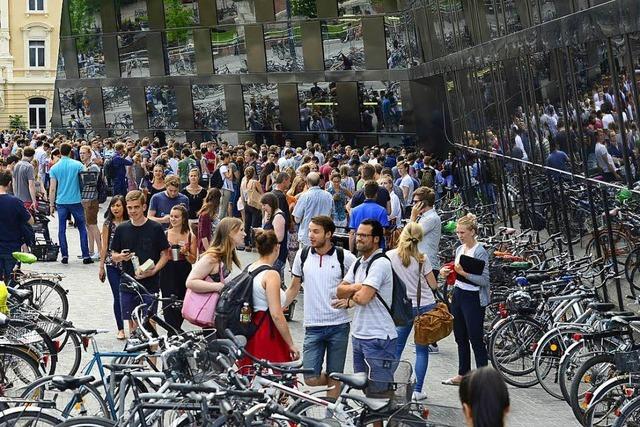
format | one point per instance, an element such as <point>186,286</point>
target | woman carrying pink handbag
<point>207,276</point>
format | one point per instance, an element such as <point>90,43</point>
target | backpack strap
<point>303,257</point>
<point>340,255</point>
<point>259,270</point>
<point>375,257</point>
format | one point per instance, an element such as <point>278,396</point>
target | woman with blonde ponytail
<point>412,266</point>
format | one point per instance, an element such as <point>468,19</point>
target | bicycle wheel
<point>33,339</point>
<point>69,346</point>
<point>621,244</point>
<point>88,422</point>
<point>17,370</point>
<point>609,399</point>
<point>312,410</point>
<point>632,263</point>
<point>512,345</point>
<point>29,416</point>
<point>49,297</point>
<point>588,378</point>
<point>629,415</point>
<point>547,358</point>
<point>89,403</point>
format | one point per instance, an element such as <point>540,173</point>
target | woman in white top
<point>272,339</point>
<point>412,266</point>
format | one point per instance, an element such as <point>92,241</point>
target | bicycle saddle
<point>610,314</point>
<point>67,382</point>
<point>537,278</point>
<point>122,367</point>
<point>21,294</point>
<point>89,332</point>
<point>601,307</point>
<point>294,364</point>
<point>24,257</point>
<point>625,320</point>
<point>358,381</point>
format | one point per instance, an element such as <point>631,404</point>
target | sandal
<point>451,382</point>
<point>121,336</point>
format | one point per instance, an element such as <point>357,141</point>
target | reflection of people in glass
<point>347,64</point>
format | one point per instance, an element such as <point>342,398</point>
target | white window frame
<point>37,107</point>
<point>44,53</point>
<point>36,11</point>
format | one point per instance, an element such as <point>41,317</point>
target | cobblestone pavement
<point>91,307</point>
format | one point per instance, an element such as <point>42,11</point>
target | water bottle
<point>245,313</point>
<point>136,263</point>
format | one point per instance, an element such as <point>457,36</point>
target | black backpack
<point>305,254</point>
<point>109,169</point>
<point>102,188</point>
<point>232,299</point>
<point>216,178</point>
<point>401,309</point>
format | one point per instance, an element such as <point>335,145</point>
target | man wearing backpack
<point>369,282</point>
<point>321,267</point>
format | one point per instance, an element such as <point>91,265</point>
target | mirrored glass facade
<point>430,71</point>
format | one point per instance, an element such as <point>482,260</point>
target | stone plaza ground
<point>91,307</point>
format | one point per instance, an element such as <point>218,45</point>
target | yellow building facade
<point>29,40</point>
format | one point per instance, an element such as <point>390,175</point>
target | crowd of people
<point>179,215</point>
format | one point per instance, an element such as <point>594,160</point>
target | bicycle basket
<point>627,361</point>
<point>389,379</point>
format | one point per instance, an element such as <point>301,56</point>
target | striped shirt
<point>322,275</point>
<point>313,202</point>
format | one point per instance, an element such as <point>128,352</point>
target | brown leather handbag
<point>434,325</point>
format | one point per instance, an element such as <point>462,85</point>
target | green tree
<point>17,122</point>
<point>303,8</point>
<point>177,16</point>
<point>82,14</point>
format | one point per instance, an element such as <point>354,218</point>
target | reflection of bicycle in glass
<point>132,64</point>
<point>280,50</point>
<point>121,123</point>
<point>354,58</point>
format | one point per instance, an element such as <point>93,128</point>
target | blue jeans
<point>380,355</point>
<point>77,212</point>
<point>330,340</point>
<point>422,351</point>
<point>113,275</point>
<point>7,262</point>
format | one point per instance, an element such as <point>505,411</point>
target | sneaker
<point>87,261</point>
<point>418,396</point>
<point>433,349</point>
<point>65,260</point>
<point>96,256</point>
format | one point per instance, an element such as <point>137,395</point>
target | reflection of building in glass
<point>352,70</point>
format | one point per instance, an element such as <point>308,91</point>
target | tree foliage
<point>305,8</point>
<point>16,122</point>
<point>177,16</point>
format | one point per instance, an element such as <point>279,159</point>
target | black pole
<point>612,247</point>
<point>554,210</point>
<point>623,133</point>
<point>565,218</point>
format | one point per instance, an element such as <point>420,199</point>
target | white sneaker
<point>418,396</point>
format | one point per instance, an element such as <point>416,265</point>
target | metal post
<point>525,102</point>
<point>565,106</point>
<point>632,76</point>
<point>535,108</point>
<point>565,219</point>
<point>623,132</point>
<point>612,247</point>
<point>554,210</point>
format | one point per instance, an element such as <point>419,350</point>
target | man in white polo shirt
<point>321,267</point>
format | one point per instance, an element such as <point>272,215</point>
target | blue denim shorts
<point>381,356</point>
<point>330,340</point>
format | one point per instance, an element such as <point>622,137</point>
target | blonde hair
<point>222,247</point>
<point>407,247</point>
<point>469,221</point>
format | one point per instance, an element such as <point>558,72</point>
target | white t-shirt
<point>260,294</point>
<point>606,120</point>
<point>227,184</point>
<point>407,182</point>
<point>409,276</point>
<point>520,145</point>
<point>603,158</point>
<point>396,208</point>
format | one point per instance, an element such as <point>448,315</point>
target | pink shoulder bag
<point>200,308</point>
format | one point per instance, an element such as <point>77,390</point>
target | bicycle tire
<point>37,389</point>
<point>67,344</point>
<point>622,251</point>
<point>301,408</point>
<point>519,378</point>
<point>632,263</point>
<point>45,348</point>
<point>52,294</point>
<point>29,363</point>
<point>37,416</point>
<point>629,411</point>
<point>584,376</point>
<point>87,422</point>
<point>613,397</point>
<point>547,358</point>
<point>397,418</point>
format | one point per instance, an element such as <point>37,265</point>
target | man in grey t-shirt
<point>24,184</point>
<point>373,333</point>
<point>424,214</point>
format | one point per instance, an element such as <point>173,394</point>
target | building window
<point>36,5</point>
<point>37,113</point>
<point>36,53</point>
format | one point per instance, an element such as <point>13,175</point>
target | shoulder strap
<point>340,254</point>
<point>303,255</point>
<point>259,270</point>
<point>419,283</point>
<point>373,258</point>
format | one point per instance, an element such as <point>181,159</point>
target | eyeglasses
<point>363,236</point>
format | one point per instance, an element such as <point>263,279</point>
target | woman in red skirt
<point>272,340</point>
